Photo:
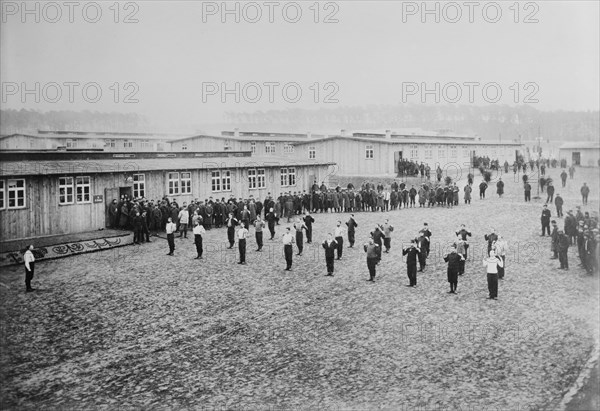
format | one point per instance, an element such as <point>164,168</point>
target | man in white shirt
<point>492,263</point>
<point>170,228</point>
<point>184,216</point>
<point>198,233</point>
<point>29,260</point>
<point>339,239</point>
<point>288,251</point>
<point>242,235</point>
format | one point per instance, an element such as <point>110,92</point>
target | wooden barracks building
<point>49,193</point>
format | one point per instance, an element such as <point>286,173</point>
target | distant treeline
<point>22,121</point>
<point>489,122</point>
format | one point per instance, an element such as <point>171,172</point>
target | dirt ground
<point>132,327</point>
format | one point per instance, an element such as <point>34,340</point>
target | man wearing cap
<point>351,223</point>
<point>554,240</point>
<point>550,192</point>
<point>558,202</point>
<point>527,190</point>
<point>563,248</point>
<point>545,220</point>
<point>288,251</point>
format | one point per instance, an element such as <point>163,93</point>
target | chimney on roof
<point>343,132</point>
<point>308,134</point>
<point>236,132</point>
<point>388,134</point>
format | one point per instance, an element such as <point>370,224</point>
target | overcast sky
<point>376,53</point>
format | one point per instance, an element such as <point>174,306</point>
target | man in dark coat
<point>412,253</point>
<point>558,202</point>
<point>570,228</point>
<point>545,220</point>
<point>378,236</point>
<point>271,219</point>
<point>550,192</point>
<point>482,187</point>
<point>351,223</point>
<point>563,248</point>
<point>453,259</point>
<point>527,190</point>
<point>585,191</point>
<point>137,228</point>
<point>330,246</point>
<point>427,234</point>
<point>373,251</point>
<point>308,222</point>
<point>554,240</point>
<point>500,187</point>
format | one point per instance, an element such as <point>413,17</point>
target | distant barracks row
<point>356,154</point>
<point>72,196</point>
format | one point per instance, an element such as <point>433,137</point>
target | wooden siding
<point>43,215</point>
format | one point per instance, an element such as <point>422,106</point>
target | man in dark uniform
<point>378,239</point>
<point>299,226</point>
<point>412,253</point>
<point>330,246</point>
<point>558,202</point>
<point>563,177</point>
<point>113,211</point>
<point>554,240</point>
<point>482,187</point>
<point>271,219</point>
<point>308,221</point>
<point>351,223</point>
<point>453,259</point>
<point>427,234</point>
<point>527,189</point>
<point>563,248</point>
<point>545,220</point>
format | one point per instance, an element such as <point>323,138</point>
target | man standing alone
<point>453,259</point>
<point>387,229</point>
<point>29,260</point>
<point>339,239</point>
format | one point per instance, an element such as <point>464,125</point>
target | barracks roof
<point>424,140</point>
<point>128,165</point>
<point>580,145</point>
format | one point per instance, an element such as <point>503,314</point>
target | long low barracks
<point>51,193</point>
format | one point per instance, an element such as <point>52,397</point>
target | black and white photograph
<point>300,205</point>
